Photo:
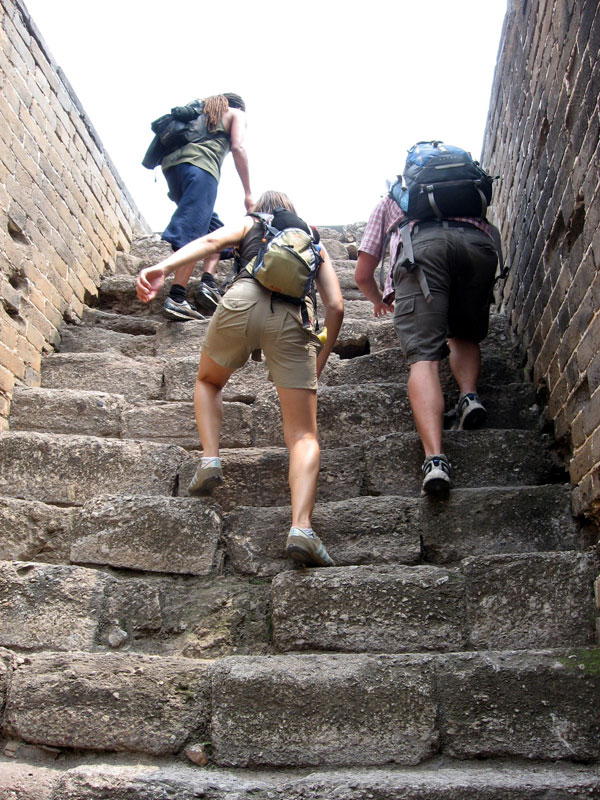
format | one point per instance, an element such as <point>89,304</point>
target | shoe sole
<point>436,486</point>
<point>476,418</point>
<point>173,315</point>
<point>206,486</point>
<point>303,558</point>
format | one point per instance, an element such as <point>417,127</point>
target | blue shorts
<point>195,192</point>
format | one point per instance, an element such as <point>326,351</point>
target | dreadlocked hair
<point>214,108</point>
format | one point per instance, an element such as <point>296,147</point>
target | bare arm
<point>151,280</point>
<point>237,133</point>
<point>364,276</point>
<point>331,297</point>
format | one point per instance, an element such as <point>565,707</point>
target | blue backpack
<point>442,181</point>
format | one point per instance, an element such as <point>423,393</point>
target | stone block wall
<point>542,139</point>
<point>64,211</point>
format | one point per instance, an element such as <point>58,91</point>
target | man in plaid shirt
<point>440,307</point>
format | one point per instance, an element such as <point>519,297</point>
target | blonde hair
<point>269,201</point>
<point>214,108</point>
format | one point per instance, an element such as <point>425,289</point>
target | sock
<point>210,461</point>
<point>177,293</point>
<point>308,532</point>
<point>208,278</point>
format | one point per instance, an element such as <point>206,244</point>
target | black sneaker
<point>207,297</point>
<point>180,312</point>
<point>436,475</point>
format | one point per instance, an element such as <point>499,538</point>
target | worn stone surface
<point>437,780</point>
<point>198,617</point>
<point>534,600</point>
<point>243,386</point>
<point>525,519</point>
<point>72,469</point>
<point>175,339</point>
<point>137,379</point>
<point>83,338</point>
<point>175,423</point>
<point>156,534</point>
<point>355,710</point>
<point>252,474</point>
<point>390,609</point>
<point>478,458</point>
<point>122,323</point>
<point>109,701</point>
<point>537,704</point>
<point>32,531</point>
<point>359,530</point>
<point>68,411</point>
<point>49,606</point>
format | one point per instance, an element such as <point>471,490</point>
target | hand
<point>248,202</point>
<point>149,283</point>
<point>380,309</point>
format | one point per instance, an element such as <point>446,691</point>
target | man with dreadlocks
<point>216,126</point>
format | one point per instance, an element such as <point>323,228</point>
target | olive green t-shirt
<point>208,155</point>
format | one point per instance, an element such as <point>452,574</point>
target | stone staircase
<point>450,654</point>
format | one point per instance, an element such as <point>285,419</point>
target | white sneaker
<point>436,475</point>
<point>470,413</point>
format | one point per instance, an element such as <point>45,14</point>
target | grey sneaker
<point>181,312</point>
<point>307,550</point>
<point>207,297</point>
<point>470,413</point>
<point>206,479</point>
<point>436,475</point>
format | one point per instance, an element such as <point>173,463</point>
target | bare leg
<point>427,403</point>
<point>208,403</point>
<point>182,275</point>
<point>210,264</point>
<point>465,363</point>
<point>299,413</point>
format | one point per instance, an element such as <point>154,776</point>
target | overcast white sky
<point>336,92</point>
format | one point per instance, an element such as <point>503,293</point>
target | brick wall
<point>64,212</point>
<point>542,139</point>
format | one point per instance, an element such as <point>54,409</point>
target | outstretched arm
<point>364,275</point>
<point>151,279</point>
<point>237,133</point>
<point>331,297</point>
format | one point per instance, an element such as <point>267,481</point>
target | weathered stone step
<point>346,415</point>
<point>68,470</point>
<point>387,465</point>
<point>528,601</point>
<point>408,530</point>
<point>359,710</point>
<point>178,535</point>
<point>254,476</point>
<point>63,608</point>
<point>140,703</point>
<point>318,710</point>
<point>122,776</point>
<point>136,379</point>
<point>478,458</point>
<point>83,339</point>
<point>343,417</point>
<point>153,534</point>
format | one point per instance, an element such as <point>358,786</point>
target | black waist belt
<point>444,223</point>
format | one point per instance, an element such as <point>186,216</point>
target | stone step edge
<point>39,776</point>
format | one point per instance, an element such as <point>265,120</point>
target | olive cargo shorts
<point>248,318</point>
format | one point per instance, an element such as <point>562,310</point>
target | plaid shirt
<point>385,218</point>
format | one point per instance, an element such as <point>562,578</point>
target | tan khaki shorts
<point>249,318</point>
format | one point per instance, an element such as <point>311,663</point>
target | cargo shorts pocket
<point>404,306</point>
<point>238,303</point>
